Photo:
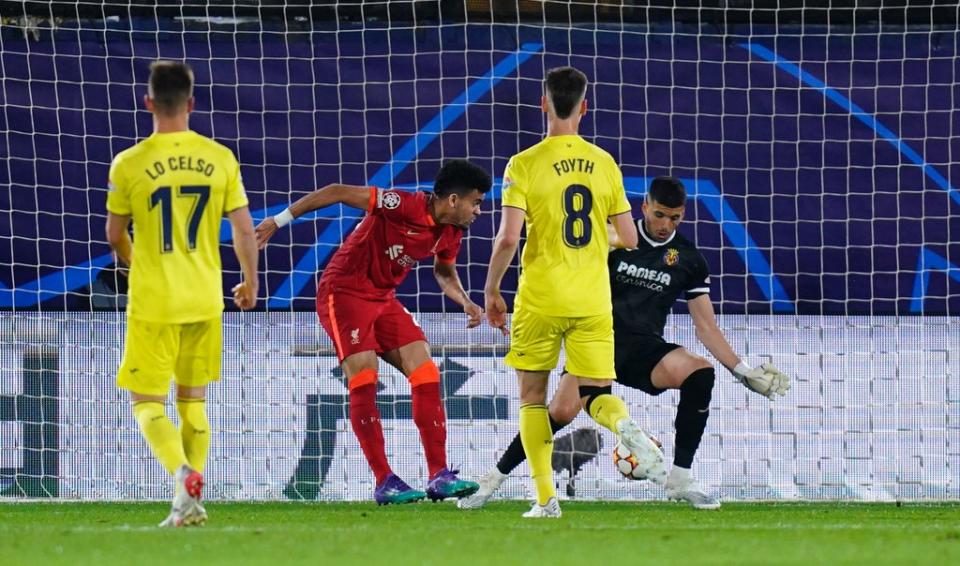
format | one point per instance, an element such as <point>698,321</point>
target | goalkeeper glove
<point>766,380</point>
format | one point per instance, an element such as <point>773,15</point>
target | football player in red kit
<point>359,310</point>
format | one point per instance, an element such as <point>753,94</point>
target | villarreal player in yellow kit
<point>564,189</point>
<point>176,186</point>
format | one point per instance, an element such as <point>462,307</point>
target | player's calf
<point>693,410</point>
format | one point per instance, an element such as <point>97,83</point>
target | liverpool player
<point>645,283</point>
<point>359,310</point>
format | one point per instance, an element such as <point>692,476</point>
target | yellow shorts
<point>156,352</point>
<point>535,341</point>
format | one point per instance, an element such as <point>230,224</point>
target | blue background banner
<point>820,165</point>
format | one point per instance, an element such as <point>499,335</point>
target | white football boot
<point>681,486</point>
<point>186,509</point>
<point>644,449</point>
<point>549,511</point>
<point>489,484</point>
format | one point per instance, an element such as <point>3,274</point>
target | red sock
<point>429,416</point>
<point>365,419</point>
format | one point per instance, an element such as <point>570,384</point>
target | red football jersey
<point>397,232</point>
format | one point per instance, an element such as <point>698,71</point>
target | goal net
<point>818,147</point>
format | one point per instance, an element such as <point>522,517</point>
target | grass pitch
<point>589,533</point>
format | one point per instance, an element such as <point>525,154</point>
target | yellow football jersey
<point>176,187</point>
<point>568,188</point>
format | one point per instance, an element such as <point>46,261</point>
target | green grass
<point>618,534</point>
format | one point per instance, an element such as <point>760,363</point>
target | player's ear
<point>191,103</point>
<point>148,102</point>
<point>544,104</point>
<point>583,107</point>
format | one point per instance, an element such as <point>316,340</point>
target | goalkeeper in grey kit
<point>645,283</point>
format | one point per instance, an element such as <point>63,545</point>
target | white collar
<point>651,241</point>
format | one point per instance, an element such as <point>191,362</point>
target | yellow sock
<point>194,431</point>
<point>537,440</point>
<point>160,434</point>
<point>607,410</point>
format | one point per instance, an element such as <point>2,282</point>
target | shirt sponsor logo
<point>653,275</point>
<point>394,251</point>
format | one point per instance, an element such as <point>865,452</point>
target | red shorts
<point>358,325</point>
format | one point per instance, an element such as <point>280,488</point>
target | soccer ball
<point>633,466</point>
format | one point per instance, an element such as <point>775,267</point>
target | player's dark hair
<point>667,191</point>
<point>171,85</point>
<point>460,176</point>
<point>565,87</point>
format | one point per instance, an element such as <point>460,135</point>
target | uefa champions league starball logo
<point>391,200</point>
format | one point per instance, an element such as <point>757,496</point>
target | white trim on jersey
<point>653,243</point>
<point>699,290</point>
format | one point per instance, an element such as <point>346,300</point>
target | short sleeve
<point>620,202</point>
<point>514,192</point>
<point>700,279</point>
<point>236,195</point>
<point>118,192</point>
<point>449,252</point>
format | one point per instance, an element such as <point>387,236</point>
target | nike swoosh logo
<point>412,233</point>
<point>703,410</point>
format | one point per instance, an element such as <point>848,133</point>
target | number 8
<point>571,235</point>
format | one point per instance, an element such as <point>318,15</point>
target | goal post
<point>818,149</point>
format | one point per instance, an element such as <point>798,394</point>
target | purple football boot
<point>395,490</point>
<point>446,484</point>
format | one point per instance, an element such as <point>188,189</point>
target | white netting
<point>819,162</point>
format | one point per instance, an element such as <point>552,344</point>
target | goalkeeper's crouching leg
<point>692,413</point>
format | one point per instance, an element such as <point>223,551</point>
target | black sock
<point>692,413</point>
<point>514,456</point>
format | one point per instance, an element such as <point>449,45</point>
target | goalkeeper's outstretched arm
<point>766,380</point>
<point>350,195</point>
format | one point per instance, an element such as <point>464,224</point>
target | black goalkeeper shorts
<point>636,356</point>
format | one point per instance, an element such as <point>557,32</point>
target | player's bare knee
<point>533,386</point>
<point>694,364</point>
<point>699,362</point>
<point>185,392</point>
<point>564,410</point>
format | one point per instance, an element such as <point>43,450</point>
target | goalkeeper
<point>645,282</point>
